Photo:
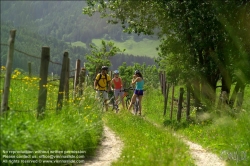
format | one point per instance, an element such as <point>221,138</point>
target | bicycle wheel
<point>115,108</point>
<point>111,101</point>
<point>128,101</point>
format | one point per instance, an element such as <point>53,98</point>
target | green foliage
<point>100,56</point>
<point>201,41</point>
<point>149,73</point>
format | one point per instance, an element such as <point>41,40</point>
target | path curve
<point>109,150</point>
<point>201,156</point>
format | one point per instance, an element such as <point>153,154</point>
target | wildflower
<point>3,68</point>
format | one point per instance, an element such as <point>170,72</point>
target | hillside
<point>64,21</point>
<point>62,26</point>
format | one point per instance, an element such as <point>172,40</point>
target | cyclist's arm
<point>95,84</point>
<point>121,83</point>
<point>134,80</point>
<point>112,83</point>
<point>109,83</point>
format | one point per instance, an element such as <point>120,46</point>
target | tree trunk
<point>234,94</point>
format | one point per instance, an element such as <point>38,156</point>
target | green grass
<point>143,48</point>
<point>78,44</point>
<point>145,144</point>
<point>227,136</point>
<point>77,127</point>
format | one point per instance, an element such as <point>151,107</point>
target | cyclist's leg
<point>97,95</point>
<point>140,99</point>
<point>122,100</point>
<point>105,97</point>
<point>116,94</point>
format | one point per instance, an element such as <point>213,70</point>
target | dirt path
<point>201,156</point>
<point>111,148</point>
<point>109,151</point>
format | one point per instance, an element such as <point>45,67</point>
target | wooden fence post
<point>6,89</point>
<point>165,90</point>
<point>77,71</point>
<point>62,81</point>
<point>180,104</point>
<point>42,96</point>
<point>172,102</point>
<point>67,80</point>
<point>188,102</point>
<point>29,67</point>
<point>81,80</point>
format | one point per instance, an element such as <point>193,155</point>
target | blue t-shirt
<point>139,85</point>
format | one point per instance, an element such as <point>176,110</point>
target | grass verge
<point>76,128</point>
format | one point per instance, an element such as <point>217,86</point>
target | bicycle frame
<point>112,102</point>
<point>101,99</point>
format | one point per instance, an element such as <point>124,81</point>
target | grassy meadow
<point>79,125</point>
<point>146,47</point>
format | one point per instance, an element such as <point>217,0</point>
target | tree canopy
<point>203,41</point>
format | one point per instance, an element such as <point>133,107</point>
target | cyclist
<point>102,83</point>
<point>118,87</point>
<point>139,83</point>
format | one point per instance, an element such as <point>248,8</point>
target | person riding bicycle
<point>102,83</point>
<point>118,87</point>
<point>139,83</point>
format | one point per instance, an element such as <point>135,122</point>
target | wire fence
<point>24,87</point>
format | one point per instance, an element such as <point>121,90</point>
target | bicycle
<point>101,99</point>
<point>136,105</point>
<point>127,95</point>
<point>114,103</point>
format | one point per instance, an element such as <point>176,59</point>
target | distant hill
<point>62,26</point>
<point>61,19</point>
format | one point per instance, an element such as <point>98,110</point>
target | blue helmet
<point>116,72</point>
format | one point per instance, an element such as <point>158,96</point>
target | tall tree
<point>100,56</point>
<point>193,33</point>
